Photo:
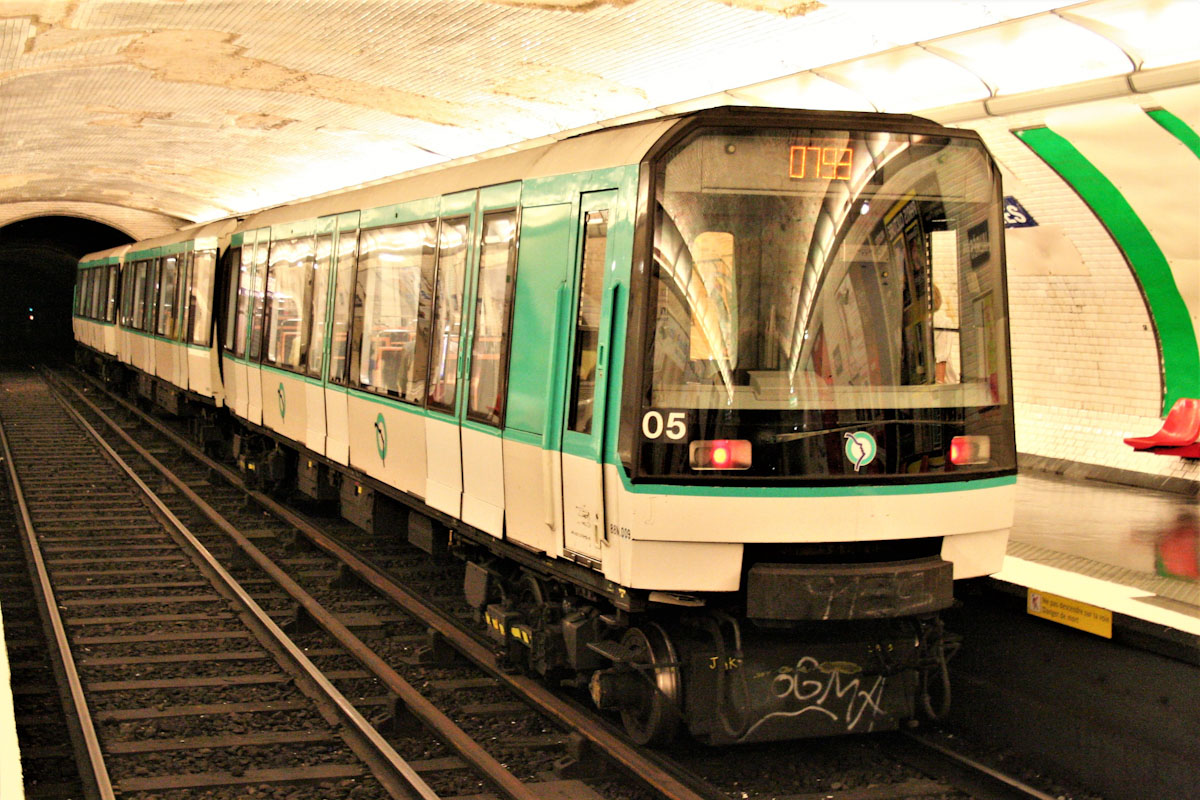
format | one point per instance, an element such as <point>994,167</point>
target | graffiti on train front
<point>836,689</point>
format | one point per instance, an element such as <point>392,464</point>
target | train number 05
<point>674,425</point>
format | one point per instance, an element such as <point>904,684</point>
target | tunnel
<point>38,259</point>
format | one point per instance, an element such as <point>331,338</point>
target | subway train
<point>715,408</point>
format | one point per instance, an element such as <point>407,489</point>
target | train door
<point>237,262</point>
<point>125,312</point>
<point>443,399</point>
<point>317,354</point>
<point>178,346</point>
<point>150,318</point>
<point>165,351</point>
<point>486,323</point>
<point>110,309</point>
<point>583,418</point>
<point>345,257</point>
<point>257,314</point>
<point>533,414</point>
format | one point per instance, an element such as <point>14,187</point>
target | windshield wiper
<point>780,438</point>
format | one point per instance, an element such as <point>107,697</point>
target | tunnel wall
<point>136,223</point>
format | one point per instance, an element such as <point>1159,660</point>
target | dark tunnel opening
<point>38,258</point>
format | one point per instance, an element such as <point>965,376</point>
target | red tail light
<point>970,450</point>
<point>720,454</point>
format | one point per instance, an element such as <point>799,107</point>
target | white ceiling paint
<point>198,109</point>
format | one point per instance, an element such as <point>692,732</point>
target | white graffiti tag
<point>821,685</point>
<point>836,689</point>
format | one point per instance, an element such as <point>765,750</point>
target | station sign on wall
<point>1015,215</point>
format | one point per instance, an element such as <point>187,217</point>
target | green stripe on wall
<point>1177,128</point>
<point>1177,338</point>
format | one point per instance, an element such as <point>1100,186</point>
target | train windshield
<point>808,285</point>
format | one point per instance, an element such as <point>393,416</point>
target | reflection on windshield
<point>872,284</point>
<point>707,285</point>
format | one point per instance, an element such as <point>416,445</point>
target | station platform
<point>11,783</point>
<point>1132,552</point>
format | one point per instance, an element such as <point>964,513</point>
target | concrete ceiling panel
<point>207,108</point>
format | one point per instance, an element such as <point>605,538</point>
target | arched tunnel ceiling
<point>198,109</point>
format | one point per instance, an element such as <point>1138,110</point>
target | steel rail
<point>403,775</point>
<point>961,771</point>
<point>413,701</point>
<point>98,770</point>
<point>87,728</point>
<point>638,763</point>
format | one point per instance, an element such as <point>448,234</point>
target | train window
<point>153,277</point>
<point>168,274</point>
<point>320,304</point>
<point>200,300</point>
<point>127,283</point>
<point>258,281</point>
<point>786,307</point>
<point>243,299</point>
<point>99,291</point>
<point>587,324</point>
<point>138,318</point>
<point>235,330</point>
<point>181,295</point>
<point>89,292</point>
<point>102,295</point>
<point>391,309</point>
<point>102,292</point>
<point>85,291</point>
<point>110,304</point>
<point>289,282</point>
<point>98,307</point>
<point>183,275</point>
<point>343,306</point>
<point>493,304</point>
<point>447,313</point>
<point>943,256</point>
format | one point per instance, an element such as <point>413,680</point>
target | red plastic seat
<point>1187,451</point>
<point>1181,427</point>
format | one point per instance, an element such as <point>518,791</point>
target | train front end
<point>816,429</point>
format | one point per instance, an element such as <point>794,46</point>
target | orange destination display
<point>831,163</point>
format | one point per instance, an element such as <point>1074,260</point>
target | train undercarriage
<point>712,672</point>
<point>804,650</point>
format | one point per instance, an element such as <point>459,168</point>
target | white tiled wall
<point>1085,360</point>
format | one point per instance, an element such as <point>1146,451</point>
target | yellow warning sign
<point>1069,612</point>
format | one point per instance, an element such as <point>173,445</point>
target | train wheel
<point>531,591</point>
<point>654,718</point>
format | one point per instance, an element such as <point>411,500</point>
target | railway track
<point>48,757</point>
<point>433,649</point>
<point>149,629</point>
<point>330,631</point>
<point>548,738</point>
